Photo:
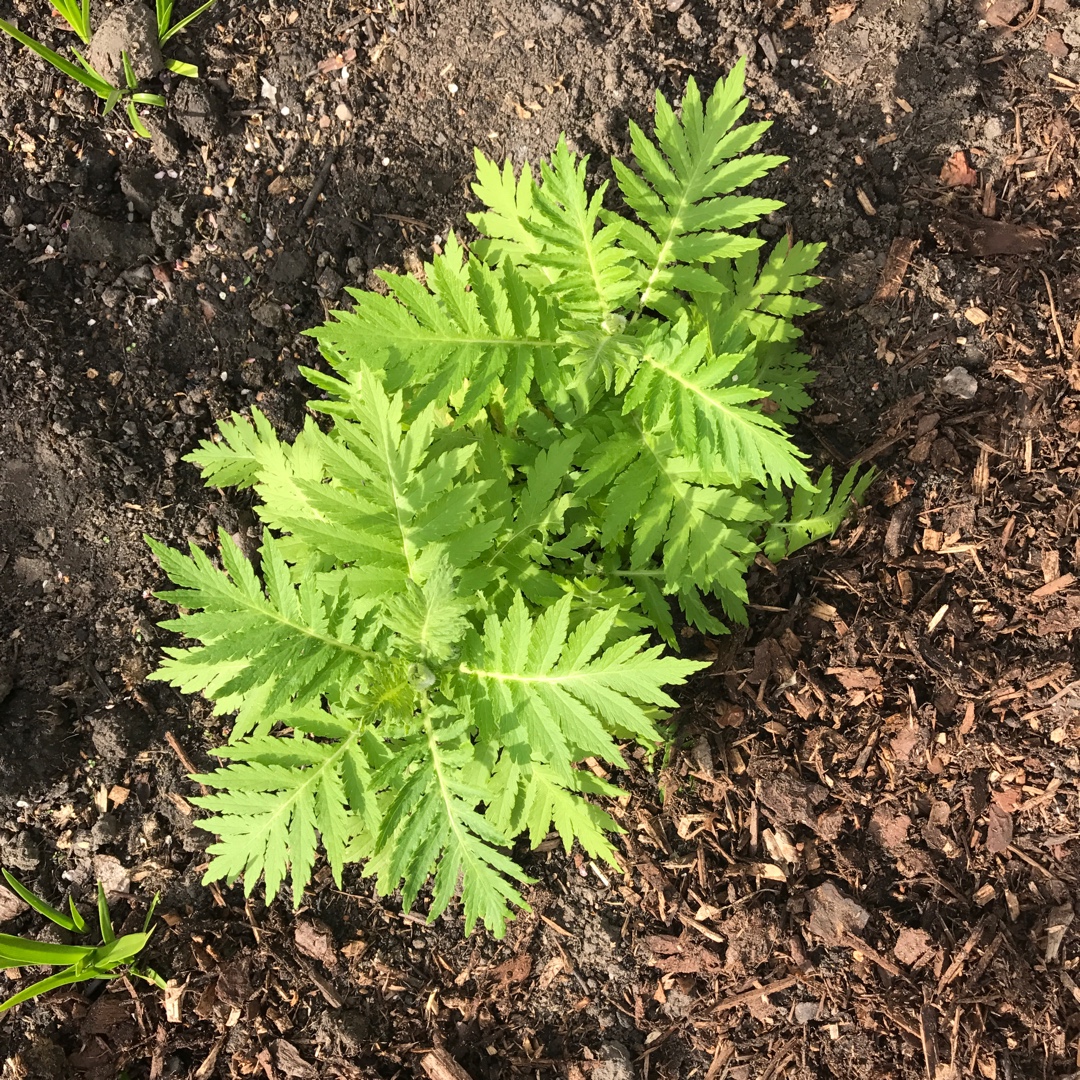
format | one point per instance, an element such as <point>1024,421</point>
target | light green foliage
<point>528,454</point>
<point>76,13</point>
<point>80,963</point>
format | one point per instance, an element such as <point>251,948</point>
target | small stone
<point>106,829</point>
<point>22,853</point>
<point>960,383</point>
<point>343,112</point>
<point>13,216</point>
<point>615,1063</point>
<point>268,314</point>
<point>689,28</point>
<point>11,905</point>
<point>330,282</point>
<point>806,1011</point>
<point>111,296</point>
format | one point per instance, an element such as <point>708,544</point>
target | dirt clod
<point>132,28</point>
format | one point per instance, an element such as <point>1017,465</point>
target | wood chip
<point>984,238</point>
<point>896,267</point>
<point>174,996</point>
<point>439,1065</point>
<point>1055,586</point>
<point>999,829</point>
<point>1060,920</point>
<point>864,202</point>
<point>987,922</point>
<point>748,997</point>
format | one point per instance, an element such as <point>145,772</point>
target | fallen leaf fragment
<point>1001,13</point>
<point>839,12</point>
<point>315,940</point>
<point>956,172</point>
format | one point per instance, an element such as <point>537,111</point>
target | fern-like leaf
<point>553,227</point>
<point>282,798</point>
<point>679,385</point>
<point>683,193</point>
<point>680,529</point>
<point>261,649</point>
<point>433,825</point>
<point>471,324</point>
<point>813,515</point>
<point>550,695</point>
<point>525,454</point>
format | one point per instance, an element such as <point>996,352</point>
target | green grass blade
<point>85,78</point>
<point>137,125</point>
<point>151,976</point>
<point>164,18</point>
<point>179,67</point>
<point>41,906</point>
<point>43,986</point>
<point>149,99</point>
<point>104,920</point>
<point>77,16</point>
<point>185,21</point>
<point>150,912</point>
<point>112,101</point>
<point>119,951</point>
<point>76,916</point>
<point>129,71</point>
<point>18,952</point>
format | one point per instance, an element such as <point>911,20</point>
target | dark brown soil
<point>861,860</point>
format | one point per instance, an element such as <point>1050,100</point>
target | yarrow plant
<point>529,454</point>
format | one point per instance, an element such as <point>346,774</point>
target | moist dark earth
<point>860,858</point>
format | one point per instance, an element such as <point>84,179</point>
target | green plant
<point>528,454</point>
<point>113,957</point>
<point>76,13</point>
